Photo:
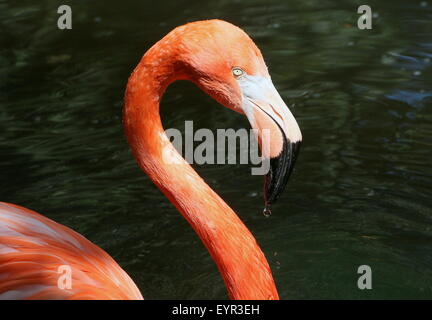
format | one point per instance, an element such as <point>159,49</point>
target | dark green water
<point>361,190</point>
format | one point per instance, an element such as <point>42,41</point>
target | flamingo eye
<point>237,72</point>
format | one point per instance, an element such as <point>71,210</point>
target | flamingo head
<point>226,64</point>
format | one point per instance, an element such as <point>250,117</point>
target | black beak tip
<point>281,168</point>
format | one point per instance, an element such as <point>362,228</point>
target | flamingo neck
<point>241,262</point>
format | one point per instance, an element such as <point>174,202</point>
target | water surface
<point>361,190</point>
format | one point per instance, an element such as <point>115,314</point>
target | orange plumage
<point>33,247</point>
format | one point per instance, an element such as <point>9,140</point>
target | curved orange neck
<point>241,262</point>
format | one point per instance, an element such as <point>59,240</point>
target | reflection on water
<point>361,191</point>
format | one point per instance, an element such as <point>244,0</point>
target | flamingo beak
<point>277,132</point>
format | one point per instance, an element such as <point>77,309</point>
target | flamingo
<point>224,62</point>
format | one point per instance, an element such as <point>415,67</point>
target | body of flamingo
<point>225,63</point>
